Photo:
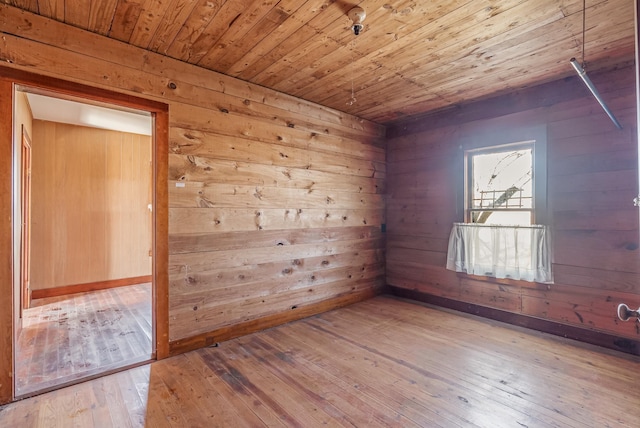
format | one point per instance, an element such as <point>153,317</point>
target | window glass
<point>500,185</point>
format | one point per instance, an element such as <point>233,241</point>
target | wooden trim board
<point>557,329</point>
<point>295,313</point>
<point>160,234</point>
<point>91,286</point>
<point>6,245</point>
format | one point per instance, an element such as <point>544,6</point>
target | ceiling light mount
<point>357,15</point>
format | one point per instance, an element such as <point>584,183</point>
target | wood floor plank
<point>122,391</point>
<point>194,396</point>
<point>67,337</point>
<point>435,363</point>
<point>301,403</point>
<point>366,372</point>
<point>310,378</point>
<point>163,404</point>
<point>480,368</point>
<point>384,362</point>
<point>241,385</point>
<point>223,390</point>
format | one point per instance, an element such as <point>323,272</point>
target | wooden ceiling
<point>413,56</point>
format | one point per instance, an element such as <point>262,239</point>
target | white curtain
<point>515,252</point>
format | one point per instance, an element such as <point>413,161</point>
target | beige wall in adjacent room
<point>90,194</point>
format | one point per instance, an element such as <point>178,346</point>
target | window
<point>500,184</point>
<point>504,202</point>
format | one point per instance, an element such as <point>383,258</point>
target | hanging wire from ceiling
<point>584,28</point>
<point>356,15</point>
<point>352,100</point>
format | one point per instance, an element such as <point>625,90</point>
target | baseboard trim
<point>90,286</point>
<point>605,340</point>
<point>295,313</point>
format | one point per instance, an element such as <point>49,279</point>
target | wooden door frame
<point>25,203</point>
<point>10,77</point>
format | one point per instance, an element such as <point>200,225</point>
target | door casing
<point>9,79</point>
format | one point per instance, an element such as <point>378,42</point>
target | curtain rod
<point>515,226</point>
<point>594,91</point>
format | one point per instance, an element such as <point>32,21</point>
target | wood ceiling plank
<point>229,12</point>
<point>470,23</point>
<point>463,94</point>
<point>339,32</point>
<point>193,27</point>
<point>412,55</point>
<point>76,14</point>
<point>148,22</point>
<point>247,66</point>
<point>321,66</point>
<point>544,29</point>
<point>312,89</point>
<point>536,45</point>
<point>52,9</point>
<point>307,56</point>
<point>101,15</point>
<point>125,18</point>
<point>263,29</point>
<point>435,80</point>
<point>296,46</point>
<point>469,40</point>
<point>240,27</point>
<point>279,74</point>
<point>409,57</point>
<point>261,65</point>
<point>30,5</point>
<point>172,21</point>
<point>518,62</point>
<point>438,72</point>
<point>424,25</point>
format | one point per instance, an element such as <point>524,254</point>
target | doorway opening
<point>86,272</point>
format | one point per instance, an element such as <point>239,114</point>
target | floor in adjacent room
<point>384,362</point>
<point>67,338</point>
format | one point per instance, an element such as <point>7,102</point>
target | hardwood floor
<point>380,363</point>
<point>67,338</point>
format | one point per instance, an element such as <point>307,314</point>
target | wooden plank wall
<point>90,194</point>
<point>592,179</point>
<point>276,204</point>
